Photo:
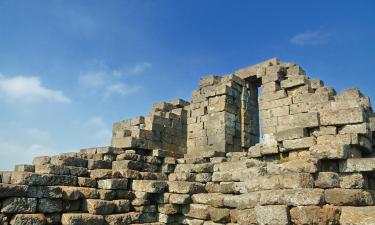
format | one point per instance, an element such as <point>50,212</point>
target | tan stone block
<point>357,215</point>
<point>298,120</point>
<point>291,134</point>
<point>328,214</point>
<point>294,81</point>
<point>301,143</point>
<point>355,197</point>
<point>342,117</point>
<point>330,151</point>
<point>292,197</point>
<point>272,214</point>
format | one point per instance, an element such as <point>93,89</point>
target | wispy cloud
<point>311,38</point>
<point>140,67</point>
<point>38,135</point>
<point>29,89</point>
<point>110,82</point>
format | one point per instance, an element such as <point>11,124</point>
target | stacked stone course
<point>200,163</point>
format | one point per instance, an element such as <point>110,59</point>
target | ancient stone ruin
<point>264,145</point>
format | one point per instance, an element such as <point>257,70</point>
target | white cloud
<point>140,67</point>
<point>110,82</point>
<point>311,38</point>
<point>29,89</point>
<point>119,89</point>
<point>93,79</point>
<point>13,153</point>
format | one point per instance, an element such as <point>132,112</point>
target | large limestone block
<point>197,211</point>
<point>298,120</point>
<point>290,134</point>
<point>10,190</point>
<point>179,199</point>
<point>184,187</point>
<point>290,180</point>
<point>301,143</point>
<point>68,161</point>
<point>294,81</point>
<point>47,205</point>
<point>44,192</point>
<point>99,207</point>
<point>330,151</point>
<point>353,180</point>
<point>293,166</point>
<point>327,180</point>
<point>19,205</point>
<point>342,117</point>
<point>113,184</point>
<point>243,217</point>
<point>212,199</point>
<point>243,201</point>
<point>34,179</point>
<point>328,214</point>
<point>81,218</point>
<point>355,197</point>
<point>357,215</point>
<point>149,186</point>
<point>28,219</point>
<point>272,214</point>
<point>293,197</point>
<point>357,165</point>
<point>220,215</point>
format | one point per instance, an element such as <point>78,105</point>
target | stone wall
<point>223,115</point>
<point>165,127</point>
<point>315,164</point>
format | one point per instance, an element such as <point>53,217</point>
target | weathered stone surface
<point>244,217</point>
<point>357,215</point>
<point>99,207</point>
<point>327,214</point>
<point>342,117</point>
<point>353,197</point>
<point>149,186</point>
<point>294,197</point>
<point>184,187</point>
<point>28,219</point>
<point>10,190</point>
<point>19,205</point>
<point>272,214</point>
<point>197,211</point>
<point>47,205</point>
<point>81,218</point>
<point>357,165</point>
<point>113,184</point>
<point>327,180</point>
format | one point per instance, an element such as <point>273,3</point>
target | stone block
<point>184,187</point>
<point>149,186</point>
<point>330,151</point>
<point>47,205</point>
<point>243,217</point>
<point>220,215</point>
<point>113,184</point>
<point>298,120</point>
<point>357,215</point>
<point>179,199</point>
<point>99,207</point>
<point>353,180</point>
<point>291,134</point>
<point>197,211</point>
<point>327,180</point>
<point>354,197</point>
<point>294,81</point>
<point>293,197</point>
<point>342,117</point>
<point>81,218</point>
<point>272,214</point>
<point>28,219</point>
<point>19,205</point>
<point>357,165</point>
<point>327,214</point>
<point>243,201</point>
<point>24,168</point>
<point>212,199</point>
<point>301,143</point>
<point>11,190</point>
<point>44,192</point>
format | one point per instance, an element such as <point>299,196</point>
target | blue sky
<point>69,69</point>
